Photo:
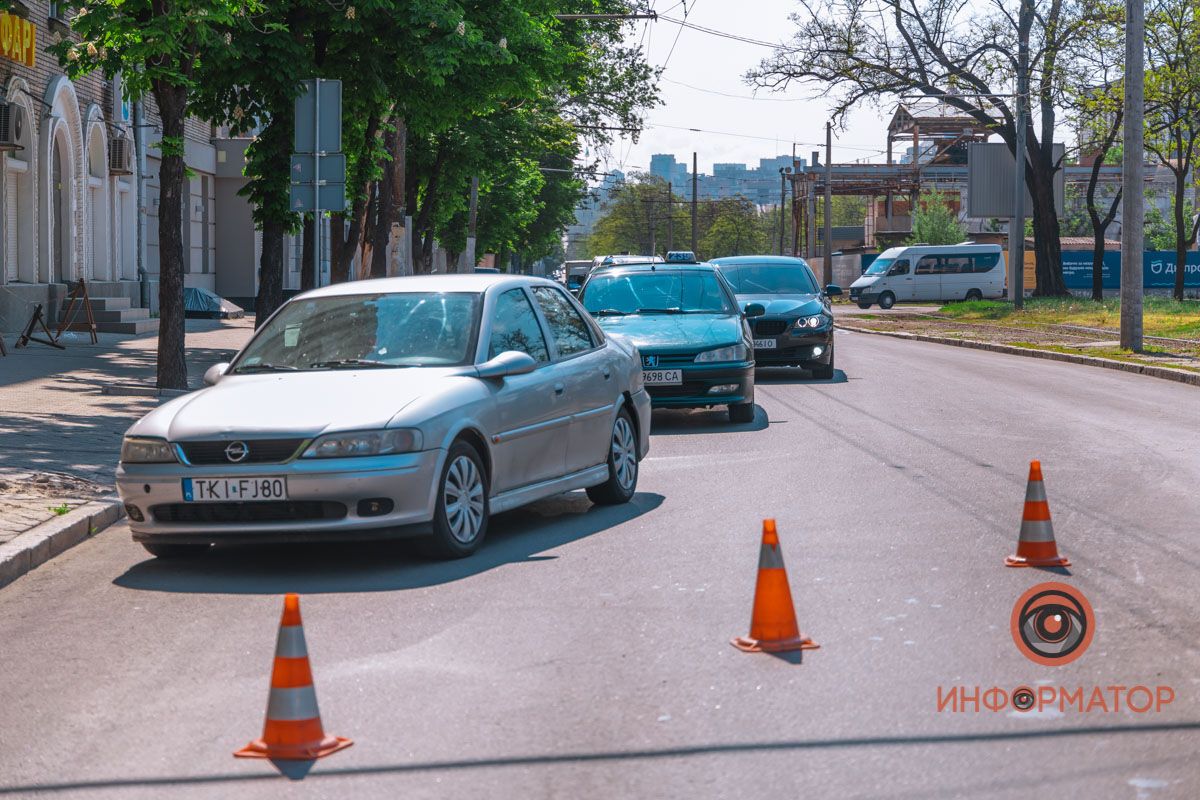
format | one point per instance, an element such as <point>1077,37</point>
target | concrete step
<point>136,326</point>
<point>104,303</point>
<point>118,315</point>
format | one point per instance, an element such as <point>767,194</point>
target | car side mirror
<point>510,362</point>
<point>754,310</point>
<point>833,290</point>
<point>215,372</point>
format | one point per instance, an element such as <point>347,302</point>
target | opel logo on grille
<point>237,451</point>
<point>650,361</point>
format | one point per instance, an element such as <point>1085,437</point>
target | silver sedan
<point>396,407</point>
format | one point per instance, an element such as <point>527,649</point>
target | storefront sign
<point>18,40</point>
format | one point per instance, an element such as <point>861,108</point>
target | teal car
<point>695,344</point>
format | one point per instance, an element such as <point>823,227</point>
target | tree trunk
<point>1046,244</point>
<point>1182,229</point>
<point>270,272</point>
<point>339,268</point>
<point>308,276</point>
<point>423,234</point>
<point>391,195</point>
<point>172,179</point>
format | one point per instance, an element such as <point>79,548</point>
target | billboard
<point>1158,269</point>
<point>990,181</point>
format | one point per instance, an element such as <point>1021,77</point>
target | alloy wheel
<point>624,453</point>
<point>463,495</point>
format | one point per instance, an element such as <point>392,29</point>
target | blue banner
<point>1158,269</point>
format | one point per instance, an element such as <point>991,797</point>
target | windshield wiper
<point>350,363</point>
<point>265,367</point>
<point>610,312</point>
<point>661,311</point>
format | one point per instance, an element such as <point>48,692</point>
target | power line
<point>738,96</point>
<point>671,52</point>
<point>760,138</point>
<point>683,23</point>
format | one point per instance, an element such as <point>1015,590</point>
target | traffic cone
<point>1036,547</point>
<point>773,627</point>
<point>293,728</point>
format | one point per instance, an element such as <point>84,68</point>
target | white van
<point>932,273</point>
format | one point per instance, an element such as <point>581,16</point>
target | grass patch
<point>1161,316</point>
<point>60,509</point>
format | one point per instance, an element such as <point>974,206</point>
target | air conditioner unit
<point>119,160</point>
<point>12,122</point>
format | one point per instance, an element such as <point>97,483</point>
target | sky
<point>715,66</point>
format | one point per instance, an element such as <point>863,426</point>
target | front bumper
<point>796,350</point>
<point>863,295</point>
<point>694,391</point>
<point>323,498</point>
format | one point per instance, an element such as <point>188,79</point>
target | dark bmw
<point>797,328</point>
<point>695,345</point>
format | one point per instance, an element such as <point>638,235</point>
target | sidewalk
<point>60,436</point>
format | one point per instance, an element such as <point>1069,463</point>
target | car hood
<point>296,404</point>
<point>783,305</point>
<point>676,331</point>
<point>865,280</point>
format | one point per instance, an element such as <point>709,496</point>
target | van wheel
<point>974,294</point>
<point>864,305</point>
<point>887,300</point>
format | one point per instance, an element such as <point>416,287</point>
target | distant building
<point>729,179</point>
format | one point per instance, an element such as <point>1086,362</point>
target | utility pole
<point>694,202</point>
<point>1016,228</point>
<point>827,262</point>
<point>670,217</point>
<point>1132,202</point>
<point>472,216</point>
<point>782,203</point>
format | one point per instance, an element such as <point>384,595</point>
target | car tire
<point>460,517</point>
<point>175,551</point>
<point>825,371</point>
<point>974,294</point>
<point>864,305</point>
<point>741,413</point>
<point>622,465</point>
<point>887,300</point>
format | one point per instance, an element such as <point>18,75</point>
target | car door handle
<point>607,373</point>
<point>559,388</point>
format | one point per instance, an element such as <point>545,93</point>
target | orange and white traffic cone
<point>1036,547</point>
<point>293,728</point>
<point>773,627</point>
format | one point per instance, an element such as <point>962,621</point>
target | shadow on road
<point>688,421</point>
<point>617,756</point>
<point>513,537</point>
<point>793,375</point>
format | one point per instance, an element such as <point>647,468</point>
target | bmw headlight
<point>810,322</point>
<point>364,443</point>
<point>144,450</point>
<point>735,352</point>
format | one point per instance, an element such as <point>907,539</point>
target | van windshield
<point>879,266</point>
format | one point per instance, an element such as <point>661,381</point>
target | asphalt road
<point>584,652</point>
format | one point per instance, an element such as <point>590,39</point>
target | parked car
<point>694,342</point>
<point>394,407</point>
<point>797,326</point>
<point>573,273</point>
<point>932,273</point>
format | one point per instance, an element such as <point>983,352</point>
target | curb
<point>53,537</point>
<point>129,390</point>
<point>1166,373</point>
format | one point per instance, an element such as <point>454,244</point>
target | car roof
<point>699,266</point>
<point>467,282</point>
<point>734,260</point>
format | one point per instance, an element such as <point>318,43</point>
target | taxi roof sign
<point>681,257</point>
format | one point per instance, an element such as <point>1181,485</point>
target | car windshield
<point>656,292</point>
<point>770,279</point>
<point>403,329</point>
<point>879,266</point>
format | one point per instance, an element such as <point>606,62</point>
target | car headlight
<point>810,322</point>
<point>364,443</point>
<point>734,352</point>
<point>143,450</point>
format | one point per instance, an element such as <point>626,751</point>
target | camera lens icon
<point>1023,698</point>
<point>1053,624</point>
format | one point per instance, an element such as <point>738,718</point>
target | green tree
<point>636,221</point>
<point>1173,110</point>
<point>934,221</point>
<point>158,46</point>
<point>736,229</point>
